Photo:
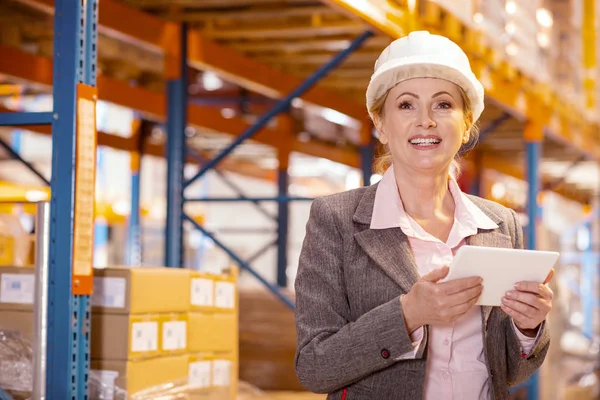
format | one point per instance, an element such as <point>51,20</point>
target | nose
<point>425,119</point>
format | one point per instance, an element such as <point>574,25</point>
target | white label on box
<point>225,295</point>
<point>202,292</point>
<point>199,374</point>
<point>105,387</point>
<point>109,292</point>
<point>221,373</point>
<point>174,335</point>
<point>144,336</point>
<point>17,288</point>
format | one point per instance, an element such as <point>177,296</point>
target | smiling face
<point>423,122</point>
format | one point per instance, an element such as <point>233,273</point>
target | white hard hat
<point>423,55</point>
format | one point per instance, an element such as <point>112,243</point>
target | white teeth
<point>425,142</point>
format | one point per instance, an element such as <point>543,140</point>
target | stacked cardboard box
<point>139,327</point>
<point>152,328</point>
<point>213,336</point>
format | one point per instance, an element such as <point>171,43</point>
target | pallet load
<point>155,332</point>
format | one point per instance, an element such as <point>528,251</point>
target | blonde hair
<point>383,159</point>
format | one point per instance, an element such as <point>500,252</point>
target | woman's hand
<point>529,304</point>
<point>429,302</point>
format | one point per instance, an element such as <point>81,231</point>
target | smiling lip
<point>428,142</point>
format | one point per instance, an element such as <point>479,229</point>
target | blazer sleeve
<point>333,351</point>
<point>521,367</point>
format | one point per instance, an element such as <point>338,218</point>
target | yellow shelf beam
<point>504,83</point>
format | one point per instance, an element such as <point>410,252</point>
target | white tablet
<point>500,269</point>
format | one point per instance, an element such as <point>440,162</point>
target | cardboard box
<point>202,291</point>
<point>226,293</point>
<point>124,337</point>
<point>210,332</point>
<point>20,321</point>
<point>140,290</point>
<point>17,288</point>
<point>173,333</point>
<point>212,376</point>
<point>135,376</point>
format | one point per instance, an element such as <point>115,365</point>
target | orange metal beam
<point>261,78</point>
<point>116,20</point>
<point>37,70</point>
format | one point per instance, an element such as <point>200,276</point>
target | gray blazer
<point>348,317</point>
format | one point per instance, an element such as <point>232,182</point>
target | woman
<point>373,321</point>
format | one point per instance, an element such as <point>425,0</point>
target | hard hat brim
<point>395,71</point>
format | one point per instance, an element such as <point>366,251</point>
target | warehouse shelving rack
<point>72,187</point>
<point>74,67</point>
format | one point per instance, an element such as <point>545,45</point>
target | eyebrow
<point>441,93</point>
<point>409,94</point>
<point>417,97</point>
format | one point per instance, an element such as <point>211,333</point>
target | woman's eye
<point>445,104</point>
<point>405,105</point>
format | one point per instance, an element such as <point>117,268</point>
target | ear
<point>383,139</point>
<point>466,136</point>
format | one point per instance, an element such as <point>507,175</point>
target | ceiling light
<point>297,103</point>
<point>511,7</point>
<point>511,28</point>
<point>543,39</point>
<point>228,113</point>
<point>512,49</point>
<point>211,81</point>
<point>544,17</point>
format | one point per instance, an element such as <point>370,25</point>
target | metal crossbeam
<point>232,185</point>
<point>495,124</point>
<point>274,289</point>
<point>26,118</point>
<point>26,163</point>
<point>559,181</point>
<point>283,104</point>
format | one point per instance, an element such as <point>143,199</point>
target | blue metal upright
<point>177,94</point>
<point>134,245</point>
<point>282,227</point>
<point>75,29</point>
<point>367,153</point>
<point>533,153</point>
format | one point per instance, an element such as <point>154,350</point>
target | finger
<point>460,285</point>
<point>465,296</point>
<point>436,274</point>
<point>549,277</point>
<point>525,309</point>
<point>520,319</point>
<point>530,299</point>
<point>531,287</point>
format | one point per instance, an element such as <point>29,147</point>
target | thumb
<point>437,274</point>
<point>549,277</point>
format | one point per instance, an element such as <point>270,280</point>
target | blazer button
<point>385,353</point>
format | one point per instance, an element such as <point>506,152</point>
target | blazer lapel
<point>390,249</point>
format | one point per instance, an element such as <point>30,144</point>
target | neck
<point>424,196</point>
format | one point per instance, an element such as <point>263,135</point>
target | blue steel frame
<point>177,96</point>
<point>14,154</point>
<point>176,154</point>
<point>75,38</point>
<point>134,232</point>
<point>26,118</point>
<point>533,154</point>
